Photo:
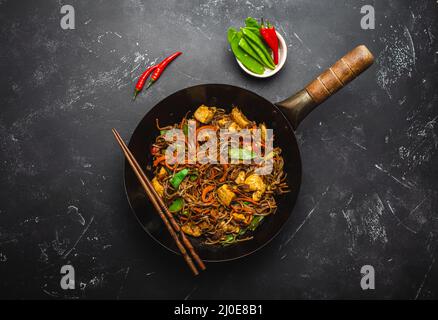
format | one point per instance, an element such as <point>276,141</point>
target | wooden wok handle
<point>298,106</point>
<point>342,72</point>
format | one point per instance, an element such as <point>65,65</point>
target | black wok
<point>282,117</point>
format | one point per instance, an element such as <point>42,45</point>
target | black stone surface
<point>369,192</point>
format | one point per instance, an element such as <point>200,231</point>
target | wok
<point>283,117</point>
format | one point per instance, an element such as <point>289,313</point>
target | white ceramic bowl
<point>282,55</point>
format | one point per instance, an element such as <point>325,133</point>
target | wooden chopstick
<point>160,206</point>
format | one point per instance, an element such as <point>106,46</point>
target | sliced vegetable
<point>205,192</point>
<point>178,177</point>
<point>249,62</point>
<point>163,132</point>
<point>176,205</point>
<point>249,50</point>
<point>258,46</point>
<point>229,239</point>
<point>241,154</point>
<point>255,222</point>
<point>185,129</point>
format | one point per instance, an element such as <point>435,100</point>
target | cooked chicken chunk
<point>229,228</point>
<point>255,183</point>
<point>239,217</point>
<point>225,194</point>
<point>204,114</point>
<point>162,173</point>
<point>158,186</point>
<point>233,127</point>
<point>239,118</point>
<point>191,230</point>
<point>240,177</point>
<point>263,132</point>
<point>223,122</point>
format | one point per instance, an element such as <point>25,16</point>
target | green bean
<point>259,47</point>
<point>249,62</point>
<point>249,50</point>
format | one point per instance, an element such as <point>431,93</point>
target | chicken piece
<point>158,187</point>
<point>239,217</point>
<point>263,132</point>
<point>240,177</point>
<point>204,114</point>
<point>233,127</point>
<point>257,195</point>
<point>223,122</point>
<point>191,230</point>
<point>239,118</point>
<point>229,228</point>
<point>225,194</point>
<point>162,173</point>
<point>255,183</point>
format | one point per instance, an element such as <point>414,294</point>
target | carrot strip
<point>224,177</point>
<point>158,160</point>
<point>206,190</point>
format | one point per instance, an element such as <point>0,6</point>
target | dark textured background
<point>370,189</point>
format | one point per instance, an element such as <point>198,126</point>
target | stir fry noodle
<point>221,203</point>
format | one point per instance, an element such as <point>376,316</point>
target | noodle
<point>205,212</point>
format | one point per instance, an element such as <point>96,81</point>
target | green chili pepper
<point>249,50</point>
<point>259,47</point>
<point>241,154</point>
<point>178,177</point>
<point>163,132</point>
<point>249,62</point>
<point>252,22</point>
<point>255,222</point>
<point>176,205</point>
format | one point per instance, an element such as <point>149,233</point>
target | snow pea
<point>259,47</point>
<point>176,205</point>
<point>249,62</point>
<point>249,50</point>
<point>178,177</point>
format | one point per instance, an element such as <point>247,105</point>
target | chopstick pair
<point>185,247</point>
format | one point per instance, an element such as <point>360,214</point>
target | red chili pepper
<point>163,64</point>
<point>270,36</point>
<point>142,80</point>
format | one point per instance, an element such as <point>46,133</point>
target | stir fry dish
<point>218,203</point>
